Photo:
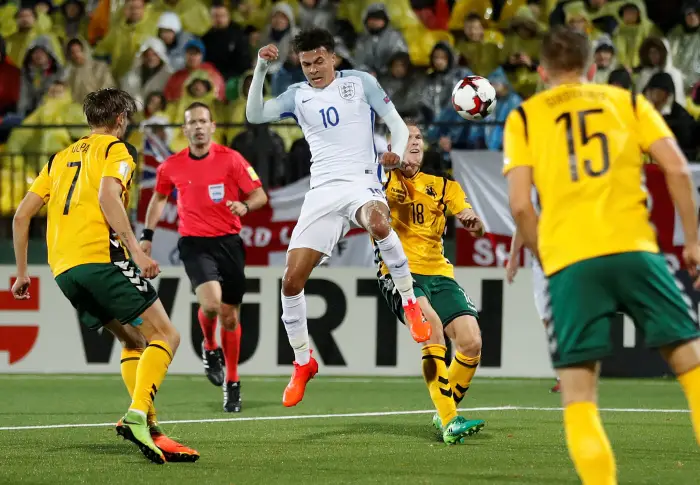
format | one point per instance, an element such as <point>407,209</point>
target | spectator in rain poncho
<point>654,57</point>
<point>84,74</point>
<point>685,44</point>
<point>150,71</point>
<point>280,31</point>
<point>40,68</point>
<point>634,28</point>
<point>441,79</point>
<point>175,39</point>
<point>379,42</point>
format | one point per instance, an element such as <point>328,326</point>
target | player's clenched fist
<point>149,268</point>
<point>390,160</point>
<point>269,52</point>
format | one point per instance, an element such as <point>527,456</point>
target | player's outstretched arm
<point>513,264</point>
<point>110,197</point>
<point>28,208</point>
<point>155,209</point>
<point>257,110</point>
<point>519,189</point>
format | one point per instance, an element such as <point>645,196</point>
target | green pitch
<point>268,443</point>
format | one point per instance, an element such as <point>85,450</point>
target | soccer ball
<point>474,98</point>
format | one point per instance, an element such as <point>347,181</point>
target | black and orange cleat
<point>173,451</point>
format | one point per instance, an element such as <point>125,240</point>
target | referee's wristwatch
<point>247,207</point>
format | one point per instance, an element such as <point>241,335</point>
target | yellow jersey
<point>419,208</point>
<point>585,144</point>
<point>69,183</point>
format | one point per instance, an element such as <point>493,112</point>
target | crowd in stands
<point>169,53</point>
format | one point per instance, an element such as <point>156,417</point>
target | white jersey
<point>338,124</point>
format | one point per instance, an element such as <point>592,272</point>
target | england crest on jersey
<point>216,192</point>
<point>347,90</point>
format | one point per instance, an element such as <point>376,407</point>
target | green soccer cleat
<point>437,422</point>
<point>459,428</point>
<point>133,427</point>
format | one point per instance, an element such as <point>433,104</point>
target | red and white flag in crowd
<point>265,232</point>
<point>479,173</point>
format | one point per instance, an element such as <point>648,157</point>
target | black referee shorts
<point>219,259</point>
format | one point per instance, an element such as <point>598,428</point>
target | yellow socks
<point>691,386</point>
<point>461,372</point>
<point>151,370</point>
<point>589,447</point>
<point>129,364</point>
<point>435,375</point>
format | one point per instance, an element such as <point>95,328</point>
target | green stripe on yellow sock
<point>588,444</point>
<point>437,380</point>
<point>461,373</point>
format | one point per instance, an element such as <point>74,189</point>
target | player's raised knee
<point>467,335</point>
<point>292,283</point>
<point>210,308</point>
<point>229,320</point>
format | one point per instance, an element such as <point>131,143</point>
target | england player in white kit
<point>539,280</point>
<point>336,111</point>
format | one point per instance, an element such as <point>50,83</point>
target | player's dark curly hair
<point>102,107</point>
<point>315,38</point>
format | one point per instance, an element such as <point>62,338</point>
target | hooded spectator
<point>316,13</point>
<point>635,26</point>
<point>654,57</point>
<point>226,45</point>
<point>71,21</point>
<point>521,53</point>
<point>577,19</point>
<point>40,68</point>
<point>480,56</point>
<point>290,73</point>
<point>84,74</point>
<point>194,55</point>
<point>56,108</point>
<point>497,13</point>
<point>124,40</point>
<point>685,44</point>
<point>8,10</point>
<point>441,79</point>
<point>604,58</point>
<point>193,14</point>
<point>660,92</point>
<point>621,78</point>
<point>343,56</point>
<point>171,33</point>
<point>380,41</point>
<point>43,10</point>
<point>148,119</point>
<point>602,13</point>
<point>491,136</point>
<point>150,70</point>
<point>280,32</point>
<point>27,31</point>
<point>199,87</point>
<point>10,85</point>
<point>404,86</point>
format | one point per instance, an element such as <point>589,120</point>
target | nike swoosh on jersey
<point>305,100</point>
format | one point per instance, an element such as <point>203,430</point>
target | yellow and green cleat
<point>134,427</point>
<point>458,428</point>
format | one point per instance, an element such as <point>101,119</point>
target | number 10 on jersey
<point>329,116</point>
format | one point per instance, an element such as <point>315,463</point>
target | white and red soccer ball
<point>474,98</point>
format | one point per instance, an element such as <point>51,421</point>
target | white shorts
<point>539,286</point>
<point>329,212</point>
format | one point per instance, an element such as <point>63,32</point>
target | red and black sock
<point>231,344</point>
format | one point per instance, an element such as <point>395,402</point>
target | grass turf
<point>516,447</point>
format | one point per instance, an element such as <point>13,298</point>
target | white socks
<point>294,319</point>
<point>395,260</point>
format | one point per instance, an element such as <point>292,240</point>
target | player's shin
<point>461,373</point>
<point>395,259</point>
<point>231,344</point>
<point>436,379</point>
<point>151,370</point>
<point>129,363</point>
<point>208,325</point>
<point>294,319</point>
<point>588,444</point>
<point>690,381</point>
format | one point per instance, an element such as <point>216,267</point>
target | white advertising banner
<point>351,327</point>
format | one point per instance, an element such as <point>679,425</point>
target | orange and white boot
<point>294,392</point>
<point>415,320</point>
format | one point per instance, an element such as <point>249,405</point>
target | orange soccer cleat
<point>420,327</point>
<point>294,392</point>
<point>172,450</point>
